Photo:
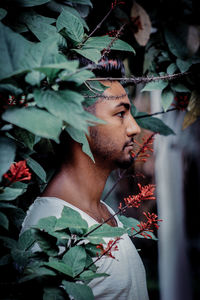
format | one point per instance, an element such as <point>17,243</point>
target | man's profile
<point>79,184</point>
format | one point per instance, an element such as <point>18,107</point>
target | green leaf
<point>12,52</point>
<point>47,224</point>
<point>34,78</point>
<point>154,124</point>
<point>167,98</point>
<point>176,38</point>
<point>80,137</point>
<point>4,221</point>
<point>83,2</point>
<point>60,267</point>
<point>76,259</point>
<point>8,242</point>
<point>25,137</point>
<point>10,194</point>
<point>4,260</point>
<point>72,24</point>
<point>38,24</point>
<point>46,242</point>
<point>78,291</point>
<point>7,154</point>
<point>89,275</point>
<point>70,218</point>
<point>171,69</point>
<point>155,85</point>
<point>37,168</point>
<point>7,205</point>
<point>10,88</point>
<point>21,257</point>
<point>79,78</point>
<point>184,65</point>
<point>3,13</point>
<point>102,42</point>
<point>29,3</point>
<point>53,294</point>
<point>37,273</point>
<point>35,120</point>
<point>65,105</point>
<point>76,13</point>
<point>90,53</point>
<point>106,231</point>
<point>179,87</point>
<point>26,240</point>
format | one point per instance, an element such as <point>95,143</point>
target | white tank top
<point>127,280</point>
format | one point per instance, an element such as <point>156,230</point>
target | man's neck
<point>80,181</point>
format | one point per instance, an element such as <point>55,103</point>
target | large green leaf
<point>83,2</point>
<point>89,275</point>
<point>78,291</point>
<point>29,3</point>
<point>7,154</point>
<point>179,87</point>
<point>47,224</point>
<point>102,42</point>
<point>70,218</point>
<point>60,266</point>
<point>76,259</point>
<point>3,13</point>
<point>80,137</point>
<point>154,124</point>
<point>46,242</point>
<point>24,136</point>
<point>34,78</point>
<point>26,240</point>
<point>176,38</point>
<point>76,13</point>
<point>53,294</point>
<point>4,220</point>
<point>38,24</point>
<point>35,120</point>
<point>37,272</point>
<point>72,24</point>
<point>65,105</point>
<point>79,77</point>
<point>106,231</point>
<point>10,194</point>
<point>37,168</point>
<point>167,98</point>
<point>90,53</point>
<point>155,85</point>
<point>12,52</point>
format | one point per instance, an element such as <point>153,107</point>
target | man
<point>80,182</point>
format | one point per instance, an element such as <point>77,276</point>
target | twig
<point>97,95</point>
<point>136,80</point>
<point>156,113</point>
<point>107,50</point>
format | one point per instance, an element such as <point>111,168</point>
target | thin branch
<point>99,25</point>
<point>136,80</point>
<point>107,50</point>
<point>156,113</point>
<point>97,95</point>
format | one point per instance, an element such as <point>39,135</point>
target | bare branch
<point>156,113</point>
<point>97,95</point>
<point>136,80</point>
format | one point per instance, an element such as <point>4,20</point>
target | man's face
<point>112,143</point>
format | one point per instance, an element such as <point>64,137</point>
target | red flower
<point>146,193</point>
<point>144,228</point>
<point>111,246</point>
<point>141,155</point>
<point>18,172</point>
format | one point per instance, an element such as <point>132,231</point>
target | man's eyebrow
<point>125,104</point>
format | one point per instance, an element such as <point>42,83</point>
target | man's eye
<point>120,114</point>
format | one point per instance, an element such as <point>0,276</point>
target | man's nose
<point>132,127</point>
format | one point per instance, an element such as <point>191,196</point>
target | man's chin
<point>125,164</point>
